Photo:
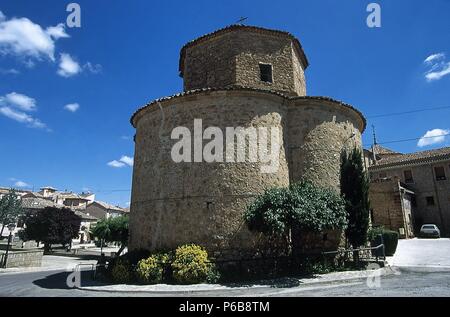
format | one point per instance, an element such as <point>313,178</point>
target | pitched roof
<point>235,27</point>
<point>414,158</point>
<point>381,150</point>
<point>107,206</point>
<point>36,203</point>
<point>84,216</point>
<point>70,196</point>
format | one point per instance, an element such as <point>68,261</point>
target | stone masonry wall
<point>425,185</point>
<point>385,199</point>
<point>318,132</point>
<point>233,59</point>
<point>30,258</point>
<point>177,203</point>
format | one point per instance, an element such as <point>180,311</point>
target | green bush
<point>191,265</point>
<point>151,270</point>
<point>122,272</point>
<point>134,256</point>
<point>390,239</point>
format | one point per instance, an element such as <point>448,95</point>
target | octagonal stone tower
<point>235,56</point>
<point>239,76</point>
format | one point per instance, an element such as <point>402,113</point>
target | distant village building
<point>409,190</point>
<point>82,205</point>
<point>103,210</point>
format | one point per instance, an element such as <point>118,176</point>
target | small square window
<point>430,201</point>
<point>440,173</point>
<point>408,176</point>
<point>266,73</point>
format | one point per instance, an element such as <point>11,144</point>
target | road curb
<point>187,289</point>
<point>424,269</point>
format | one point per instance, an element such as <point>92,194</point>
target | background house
<point>84,205</point>
<point>418,183</point>
<point>104,210</point>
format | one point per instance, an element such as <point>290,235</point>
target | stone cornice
<point>205,91</point>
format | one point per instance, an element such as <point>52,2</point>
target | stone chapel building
<point>238,76</point>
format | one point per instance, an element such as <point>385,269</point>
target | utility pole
<point>373,145</point>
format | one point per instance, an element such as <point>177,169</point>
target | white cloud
<point>19,101</point>
<point>127,160</point>
<point>436,75</point>
<point>58,31</point>
<point>14,106</point>
<point>124,160</point>
<point>21,184</point>
<point>68,66</point>
<point>9,71</point>
<point>116,164</point>
<point>438,67</point>
<point>434,57</point>
<point>23,38</point>
<point>94,69</point>
<point>22,117</point>
<point>434,136</point>
<point>72,107</point>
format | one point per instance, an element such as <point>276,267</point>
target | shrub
<point>390,239</point>
<point>290,213</point>
<point>122,272</point>
<point>134,256</point>
<point>151,270</point>
<point>191,265</point>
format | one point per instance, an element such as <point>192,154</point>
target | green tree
<point>302,208</point>
<point>51,226</point>
<point>355,190</point>
<point>112,230</point>
<point>10,209</point>
<point>102,232</point>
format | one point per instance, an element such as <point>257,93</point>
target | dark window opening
<point>440,173</point>
<point>408,176</point>
<point>413,201</point>
<point>430,201</point>
<point>266,72</point>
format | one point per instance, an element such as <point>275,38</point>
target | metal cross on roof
<point>242,19</point>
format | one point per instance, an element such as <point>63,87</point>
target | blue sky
<point>126,54</point>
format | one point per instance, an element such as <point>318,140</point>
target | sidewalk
<point>282,282</point>
<point>50,263</point>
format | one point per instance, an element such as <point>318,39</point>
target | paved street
<point>422,269</point>
<point>423,253</point>
<point>53,283</point>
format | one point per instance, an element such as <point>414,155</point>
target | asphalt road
<point>406,283</point>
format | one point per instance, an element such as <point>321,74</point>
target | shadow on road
<point>59,281</point>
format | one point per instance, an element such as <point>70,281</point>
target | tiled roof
<point>381,150</point>
<point>243,88</point>
<point>235,27</point>
<point>36,203</point>
<point>414,158</point>
<point>108,206</point>
<point>85,216</point>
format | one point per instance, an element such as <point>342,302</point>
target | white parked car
<point>430,230</point>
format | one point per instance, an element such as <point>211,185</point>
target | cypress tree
<point>355,190</point>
